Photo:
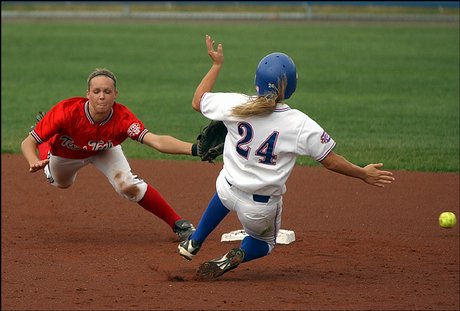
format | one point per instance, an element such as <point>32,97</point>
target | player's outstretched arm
<point>370,174</point>
<point>29,150</point>
<point>167,144</point>
<point>207,83</point>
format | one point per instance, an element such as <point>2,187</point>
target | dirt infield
<point>357,247</point>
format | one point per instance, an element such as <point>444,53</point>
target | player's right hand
<point>217,56</point>
<point>38,166</point>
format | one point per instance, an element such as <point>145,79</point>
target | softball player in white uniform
<point>264,138</point>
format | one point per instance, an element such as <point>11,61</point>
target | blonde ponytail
<point>262,104</point>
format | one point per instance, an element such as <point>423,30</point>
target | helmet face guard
<point>270,73</point>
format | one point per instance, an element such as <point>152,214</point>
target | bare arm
<point>29,150</point>
<point>167,144</point>
<point>210,78</point>
<point>370,174</point>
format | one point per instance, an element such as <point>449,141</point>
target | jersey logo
<point>134,129</point>
<point>325,138</point>
<point>93,145</point>
<point>100,145</point>
<point>68,142</point>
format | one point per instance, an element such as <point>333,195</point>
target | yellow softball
<point>447,219</point>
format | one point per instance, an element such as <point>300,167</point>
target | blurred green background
<point>386,92</point>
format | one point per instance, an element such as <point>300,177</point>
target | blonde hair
<point>263,104</point>
<point>102,72</point>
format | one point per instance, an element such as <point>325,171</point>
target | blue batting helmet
<point>270,72</point>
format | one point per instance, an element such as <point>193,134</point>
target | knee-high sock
<point>156,204</point>
<point>212,216</point>
<point>253,248</point>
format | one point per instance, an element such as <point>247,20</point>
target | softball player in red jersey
<point>80,131</point>
<point>264,138</point>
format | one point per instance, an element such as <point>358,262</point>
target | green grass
<point>386,93</point>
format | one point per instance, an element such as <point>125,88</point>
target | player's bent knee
<point>131,192</point>
<point>130,187</point>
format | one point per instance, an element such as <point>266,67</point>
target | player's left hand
<point>377,177</point>
<point>211,140</point>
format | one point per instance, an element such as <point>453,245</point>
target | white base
<point>283,237</point>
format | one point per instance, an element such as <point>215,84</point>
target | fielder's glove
<point>210,141</point>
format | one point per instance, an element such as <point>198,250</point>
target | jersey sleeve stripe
<point>326,153</point>
<point>140,138</point>
<point>36,137</point>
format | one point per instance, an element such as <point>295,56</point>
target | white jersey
<point>260,152</point>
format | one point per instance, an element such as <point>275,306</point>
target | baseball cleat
<point>183,228</point>
<point>214,268</point>
<point>188,249</point>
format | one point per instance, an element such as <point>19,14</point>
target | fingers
<point>387,178</point>
<point>387,174</point>
<point>383,180</point>
<point>38,166</point>
<point>209,44</point>
<point>33,169</point>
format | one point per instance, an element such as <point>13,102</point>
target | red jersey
<point>73,134</point>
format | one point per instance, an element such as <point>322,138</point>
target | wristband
<point>194,150</point>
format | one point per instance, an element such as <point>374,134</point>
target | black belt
<point>256,197</point>
<point>260,198</point>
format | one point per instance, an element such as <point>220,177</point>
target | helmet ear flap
<point>276,73</point>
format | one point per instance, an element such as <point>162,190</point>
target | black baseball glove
<point>210,141</point>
